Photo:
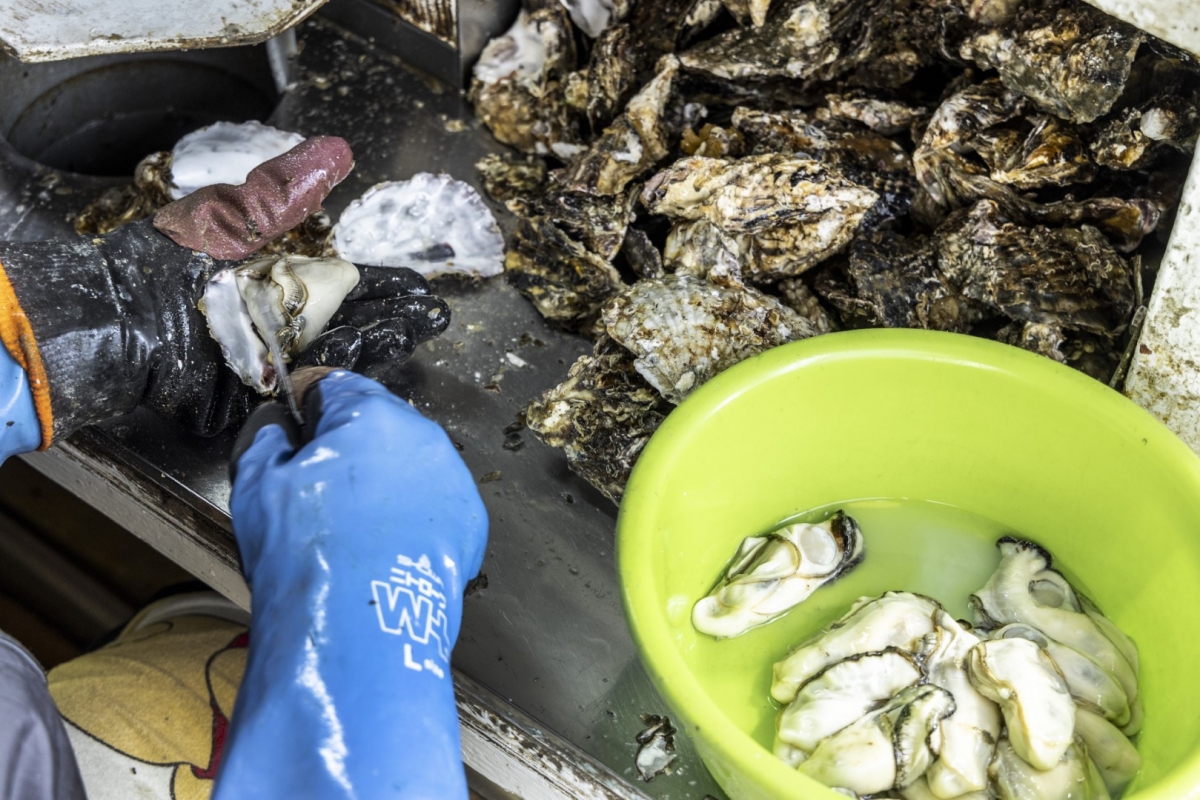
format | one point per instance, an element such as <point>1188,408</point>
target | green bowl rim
<point>648,625</point>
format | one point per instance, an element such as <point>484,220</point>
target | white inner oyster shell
<point>590,16</point>
<point>225,152</point>
<point>433,224</point>
<point>518,55</point>
<point>238,302</point>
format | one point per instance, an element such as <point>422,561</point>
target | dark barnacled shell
<point>602,415</point>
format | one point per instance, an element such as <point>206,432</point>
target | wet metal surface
<point>548,632</point>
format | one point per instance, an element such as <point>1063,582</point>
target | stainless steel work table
<point>544,651</point>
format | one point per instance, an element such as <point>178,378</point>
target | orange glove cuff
<point>17,335</point>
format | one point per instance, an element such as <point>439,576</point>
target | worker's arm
<point>357,534</point>
<point>100,326</point>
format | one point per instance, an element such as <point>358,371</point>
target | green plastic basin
<point>990,429</point>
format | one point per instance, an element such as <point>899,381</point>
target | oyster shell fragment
<point>769,575</point>
<point>684,330</point>
<point>432,224</point>
<point>1038,710</point>
<point>895,619</point>
<point>282,300</point>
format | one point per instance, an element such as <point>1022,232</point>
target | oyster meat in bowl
<point>1024,522</point>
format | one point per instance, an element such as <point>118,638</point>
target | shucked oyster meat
<point>771,574</point>
<point>276,302</point>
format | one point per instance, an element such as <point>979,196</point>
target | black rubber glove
<point>104,325</point>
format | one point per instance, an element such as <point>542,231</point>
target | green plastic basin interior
<point>993,430</point>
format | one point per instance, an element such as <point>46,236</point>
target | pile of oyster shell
<point>1036,701</point>
<point>704,180</point>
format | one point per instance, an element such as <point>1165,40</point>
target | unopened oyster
<point>1038,710</point>
<point>1070,59</point>
<point>1049,153</point>
<point>968,737</point>
<point>507,177</point>
<point>273,304</point>
<point>602,416</point>
<point>842,694</point>
<point>635,142</point>
<point>885,749</point>
<point>1024,589</point>
<point>611,75</point>
<point>565,281</point>
<point>894,282</point>
<point>684,330</point>
<point>517,80</point>
<point>769,575</point>
<point>895,619</point>
<point>1073,778</point>
<point>1066,277</point>
<point>888,117</point>
<point>431,224</point>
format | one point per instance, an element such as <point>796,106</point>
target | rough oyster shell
<point>684,330</point>
<point>287,298</point>
<point>602,415</point>
<point>1038,710</point>
<point>635,142</point>
<point>1069,58</point>
<point>565,281</point>
<point>516,83</point>
<point>432,224</point>
<point>769,575</point>
<point>1051,153</point>
<point>895,619</point>
<point>888,117</point>
<point>894,282</point>
<point>1067,277</point>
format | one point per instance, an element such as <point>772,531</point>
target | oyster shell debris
<point>1070,59</point>
<point>432,224</point>
<point>516,83</point>
<point>894,619</point>
<point>1038,710</point>
<point>287,298</point>
<point>769,575</point>
<point>602,415</point>
<point>684,330</point>
<point>594,16</point>
<point>885,749</point>
<point>842,694</point>
<point>656,747</point>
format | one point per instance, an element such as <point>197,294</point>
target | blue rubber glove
<point>357,545</point>
<point>20,431</point>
